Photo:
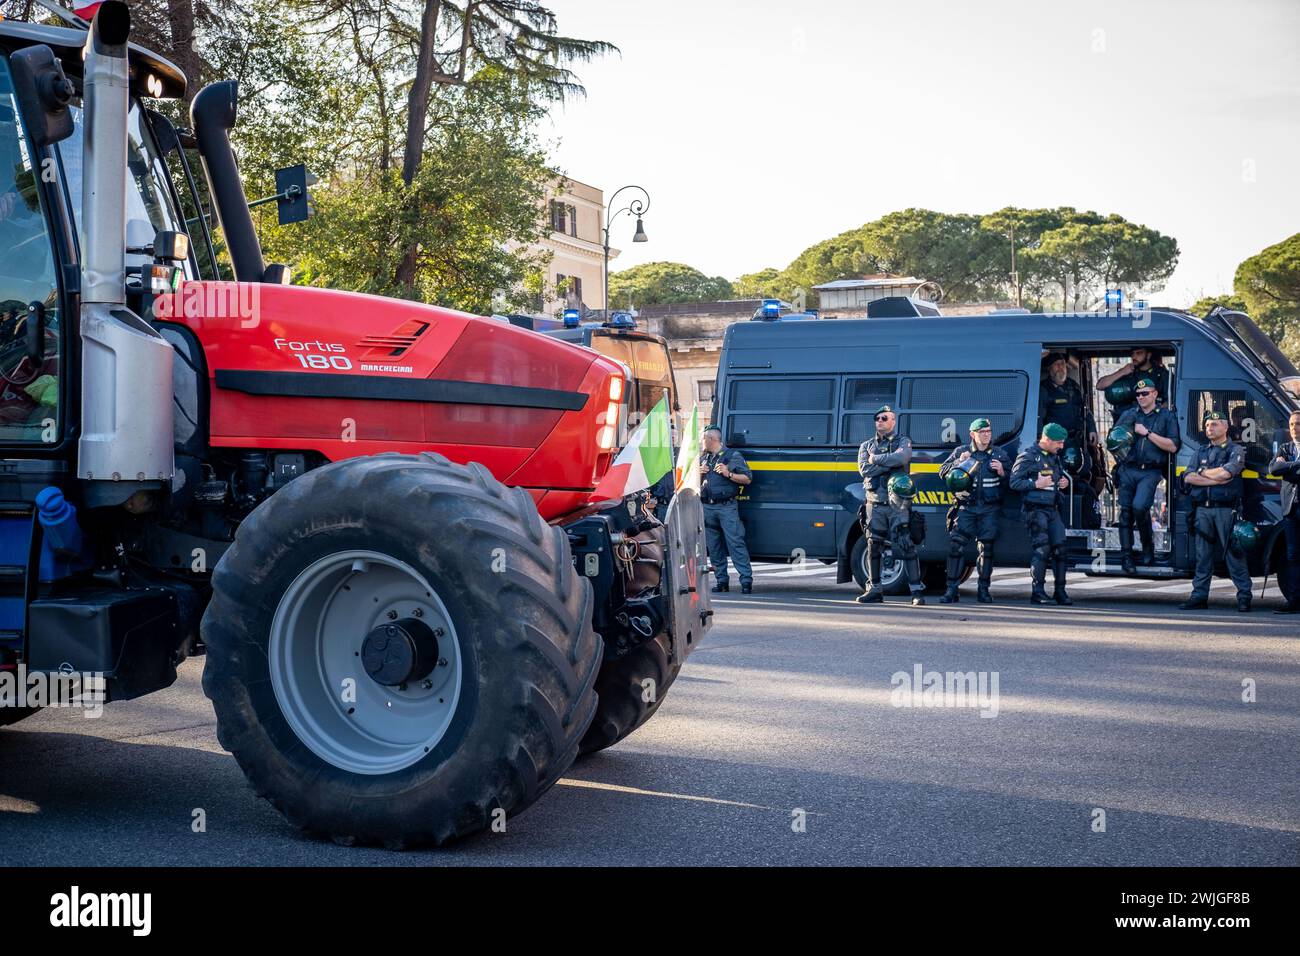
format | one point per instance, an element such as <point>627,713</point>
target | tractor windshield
<point>149,207</point>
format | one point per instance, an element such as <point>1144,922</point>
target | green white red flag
<point>688,456</point>
<point>646,458</point>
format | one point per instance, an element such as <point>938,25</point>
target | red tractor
<point>374,516</point>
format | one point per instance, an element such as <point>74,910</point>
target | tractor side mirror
<point>291,200</point>
<point>43,93</point>
<point>171,246</point>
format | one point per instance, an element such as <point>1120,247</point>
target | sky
<point>762,127</point>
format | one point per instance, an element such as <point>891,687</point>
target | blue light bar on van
<point>1114,298</point>
<point>771,308</point>
<point>621,320</point>
<point>572,318</point>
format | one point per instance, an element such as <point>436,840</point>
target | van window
<point>1253,421</point>
<point>781,411</point>
<point>862,396</point>
<point>937,410</point>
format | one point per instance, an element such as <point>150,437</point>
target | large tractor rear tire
<point>400,651</point>
<point>630,689</point>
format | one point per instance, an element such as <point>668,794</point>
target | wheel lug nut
<point>442,662</point>
<point>427,684</point>
<point>438,632</point>
<point>418,612</point>
<point>392,615</point>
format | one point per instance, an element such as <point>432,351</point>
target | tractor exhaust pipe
<point>103,199</point>
<point>213,115</point>
<point>126,369</point>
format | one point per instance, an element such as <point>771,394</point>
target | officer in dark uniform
<point>1142,364</point>
<point>1061,401</point>
<point>1216,488</point>
<point>974,516</point>
<point>1038,476</point>
<point>1143,468</point>
<point>723,472</point>
<point>888,516</point>
<point>1286,465</point>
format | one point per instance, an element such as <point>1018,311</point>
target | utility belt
<point>1144,466</point>
<point>1234,505</point>
<point>717,501</point>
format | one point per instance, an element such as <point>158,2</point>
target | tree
<point>763,284</point>
<point>1204,306</point>
<point>1269,283</point>
<point>1088,255</point>
<point>662,283</point>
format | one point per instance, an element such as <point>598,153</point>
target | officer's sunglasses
<point>883,418</point>
<point>1142,392</point>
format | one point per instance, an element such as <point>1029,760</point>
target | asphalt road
<point>1120,704</point>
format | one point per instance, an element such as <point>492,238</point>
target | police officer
<point>723,472</point>
<point>888,516</point>
<point>1286,465</point>
<point>1142,364</point>
<point>1216,488</point>
<point>1038,476</point>
<point>1060,400</point>
<point>974,516</point>
<point>1143,468</point>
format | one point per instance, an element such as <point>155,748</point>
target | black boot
<point>985,568</point>
<point>1058,572</point>
<point>1038,568</point>
<point>1126,550</point>
<point>955,567</point>
<point>1147,537</point>
<point>912,566</point>
<point>873,594</point>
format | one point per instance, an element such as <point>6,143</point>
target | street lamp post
<point>636,207</point>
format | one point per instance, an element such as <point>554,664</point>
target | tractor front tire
<point>630,689</point>
<point>343,731</point>
<point>11,715</point>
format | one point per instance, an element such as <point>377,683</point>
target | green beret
<point>885,408</point>
<point>980,423</point>
<point>1055,432</point>
<point>1144,383</point>
<point>1215,417</point>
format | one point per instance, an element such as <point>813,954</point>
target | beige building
<point>848,298</point>
<point>576,274</point>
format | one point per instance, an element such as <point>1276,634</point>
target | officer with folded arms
<point>976,474</point>
<point>883,463</point>
<point>1286,465</point>
<point>1038,476</point>
<point>1155,438</point>
<point>1216,488</point>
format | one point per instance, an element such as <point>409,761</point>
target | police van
<point>796,399</point>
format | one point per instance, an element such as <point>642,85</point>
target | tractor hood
<point>345,374</point>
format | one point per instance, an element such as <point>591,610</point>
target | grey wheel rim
<point>890,570</point>
<point>324,691</point>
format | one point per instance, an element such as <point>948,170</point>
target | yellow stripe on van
<point>804,466</point>
<point>918,468</point>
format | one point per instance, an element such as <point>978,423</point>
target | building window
<point>704,391</point>
<point>575,288</point>
<point>564,218</point>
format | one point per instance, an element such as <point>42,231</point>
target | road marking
<point>637,791</point>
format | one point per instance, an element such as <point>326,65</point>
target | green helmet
<point>902,485</point>
<point>1245,536</point>
<point>1120,439</point>
<point>1120,393</point>
<point>961,476</point>
<point>1072,459</point>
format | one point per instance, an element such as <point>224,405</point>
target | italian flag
<point>688,456</point>
<point>647,457</point>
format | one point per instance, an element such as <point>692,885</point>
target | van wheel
<point>400,651</point>
<point>893,580</point>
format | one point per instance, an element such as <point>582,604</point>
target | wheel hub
<point>399,652</point>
